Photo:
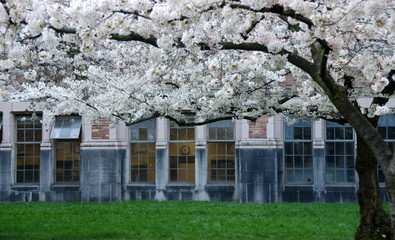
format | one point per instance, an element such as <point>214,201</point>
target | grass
<point>176,220</point>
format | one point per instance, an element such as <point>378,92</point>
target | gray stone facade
<point>104,173</point>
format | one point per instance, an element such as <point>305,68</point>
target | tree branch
<point>277,9</point>
<point>388,90</point>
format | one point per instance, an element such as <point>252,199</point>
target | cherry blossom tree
<point>128,60</point>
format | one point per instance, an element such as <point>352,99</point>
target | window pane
<point>330,148</point>
<point>29,136</point>
<point>348,133</point>
<point>173,162</point>
<point>339,147</point>
<point>151,175</point>
<point>391,132</point>
<point>20,164</point>
<point>151,149</point>
<point>289,148</point>
<point>298,133</point>
<point>135,134</point>
<point>143,134</point>
<point>289,132</point>
<point>340,176</point>
<point>289,162</point>
<point>308,174</point>
<point>66,128</point>
<point>299,177</point>
<point>142,149</point>
<point>308,148</point>
<point>151,162</point>
<point>182,134</point>
<point>230,148</point>
<point>221,133</point>
<point>290,176</point>
<point>212,148</point>
<point>221,148</point>
<point>350,162</point>
<point>173,148</point>
<point>330,133</point>
<point>173,134</point>
<point>298,148</point>
<point>229,134</point>
<point>191,134</point>
<point>349,148</point>
<point>298,162</point>
<point>330,162</point>
<point>308,162</point>
<point>212,133</point>
<point>151,134</point>
<point>134,148</point>
<point>135,176</point>
<point>339,133</point>
<point>20,136</point>
<point>330,175</point>
<point>350,176</point>
<point>340,162</point>
<point>307,133</point>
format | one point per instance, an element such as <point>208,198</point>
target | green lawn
<point>176,220</point>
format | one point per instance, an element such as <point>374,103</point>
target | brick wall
<point>101,129</point>
<point>257,129</point>
<point>289,82</point>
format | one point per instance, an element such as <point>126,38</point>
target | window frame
<point>228,178</point>
<point>35,145</point>
<point>294,142</point>
<point>75,142</point>
<point>337,142</point>
<point>75,171</point>
<point>148,124</point>
<point>180,145</point>
<point>75,126</point>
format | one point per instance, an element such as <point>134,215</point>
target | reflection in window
<point>67,161</point>
<point>339,153</point>
<point>66,128</point>
<point>66,132</point>
<point>221,152</point>
<point>28,139</point>
<point>142,151</point>
<point>182,153</point>
<point>298,153</point>
<point>386,128</point>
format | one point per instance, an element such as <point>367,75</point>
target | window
<point>1,128</point>
<point>28,139</point>
<point>66,132</point>
<point>298,153</point>
<point>221,152</point>
<point>66,128</point>
<point>142,151</point>
<point>339,153</point>
<point>386,128</point>
<point>182,153</point>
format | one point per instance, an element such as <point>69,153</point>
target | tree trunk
<point>375,223</point>
<point>390,186</point>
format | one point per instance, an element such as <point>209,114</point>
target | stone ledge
<point>25,188</point>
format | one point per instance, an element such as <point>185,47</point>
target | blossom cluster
<point>124,59</point>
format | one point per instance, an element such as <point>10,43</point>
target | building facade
<point>266,161</point>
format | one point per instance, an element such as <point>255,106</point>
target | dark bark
<point>375,223</point>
